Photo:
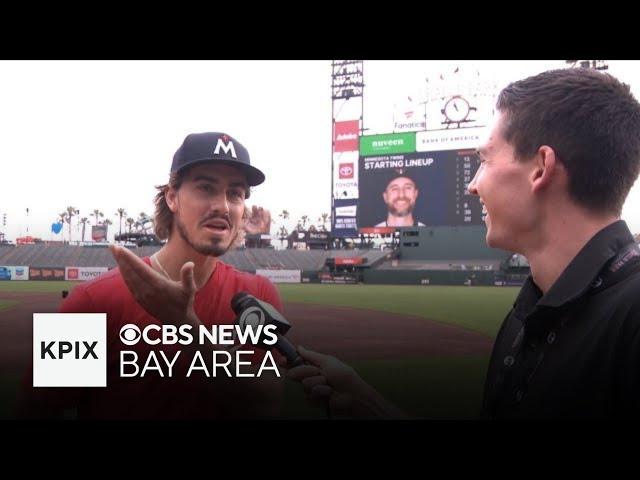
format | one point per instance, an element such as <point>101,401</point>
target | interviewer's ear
<point>545,168</point>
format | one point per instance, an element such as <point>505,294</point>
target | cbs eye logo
<point>130,334</point>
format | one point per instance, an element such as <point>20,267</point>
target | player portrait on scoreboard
<point>400,197</point>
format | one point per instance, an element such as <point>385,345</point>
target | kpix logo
<point>69,350</point>
<point>346,170</point>
<point>47,350</point>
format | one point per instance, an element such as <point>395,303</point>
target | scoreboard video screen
<point>408,179</point>
<point>429,188</point>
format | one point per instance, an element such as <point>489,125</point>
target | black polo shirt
<point>575,351</point>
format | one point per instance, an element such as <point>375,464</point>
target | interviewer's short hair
<point>592,122</point>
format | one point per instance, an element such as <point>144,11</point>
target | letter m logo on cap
<point>226,147</point>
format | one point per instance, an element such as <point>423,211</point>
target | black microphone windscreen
<point>237,300</point>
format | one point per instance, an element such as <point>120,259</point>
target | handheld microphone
<point>253,312</point>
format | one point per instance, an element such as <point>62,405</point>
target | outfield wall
<point>430,277</point>
<point>367,276</point>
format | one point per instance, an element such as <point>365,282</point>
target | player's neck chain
<point>154,259</point>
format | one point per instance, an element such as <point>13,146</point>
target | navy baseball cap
<point>216,147</point>
<point>399,173</point>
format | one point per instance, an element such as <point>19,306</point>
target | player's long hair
<point>163,215</point>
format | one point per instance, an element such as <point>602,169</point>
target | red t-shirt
<point>154,396</point>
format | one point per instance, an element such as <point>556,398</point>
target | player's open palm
<point>258,221</point>
<point>169,301</point>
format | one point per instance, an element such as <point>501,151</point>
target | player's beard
<point>405,212</point>
<point>214,249</point>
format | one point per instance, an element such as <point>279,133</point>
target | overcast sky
<point>101,134</point>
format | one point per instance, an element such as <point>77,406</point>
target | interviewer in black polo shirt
<point>559,161</point>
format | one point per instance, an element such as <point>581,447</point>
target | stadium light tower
<point>347,89</point>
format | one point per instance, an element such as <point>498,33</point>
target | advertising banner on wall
<point>387,144</point>
<point>83,273</point>
<point>345,136</point>
<point>454,139</point>
<point>345,218</point>
<point>12,272</point>
<point>409,115</point>
<point>20,273</point>
<point>46,273</point>
<point>281,276</point>
<point>345,175</point>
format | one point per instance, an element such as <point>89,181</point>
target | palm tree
<point>304,219</point>
<point>142,220</point>
<point>130,221</point>
<point>63,218</point>
<point>284,214</point>
<point>151,228</point>
<point>121,213</point>
<point>323,219</point>
<point>84,221</point>
<point>71,212</point>
<point>283,234</point>
<point>98,214</point>
<point>106,223</point>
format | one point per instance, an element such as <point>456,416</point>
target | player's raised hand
<point>169,301</point>
<point>258,221</point>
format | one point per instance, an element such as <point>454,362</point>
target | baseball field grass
<point>36,286</point>
<point>6,304</point>
<point>444,387</point>
<point>480,309</point>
